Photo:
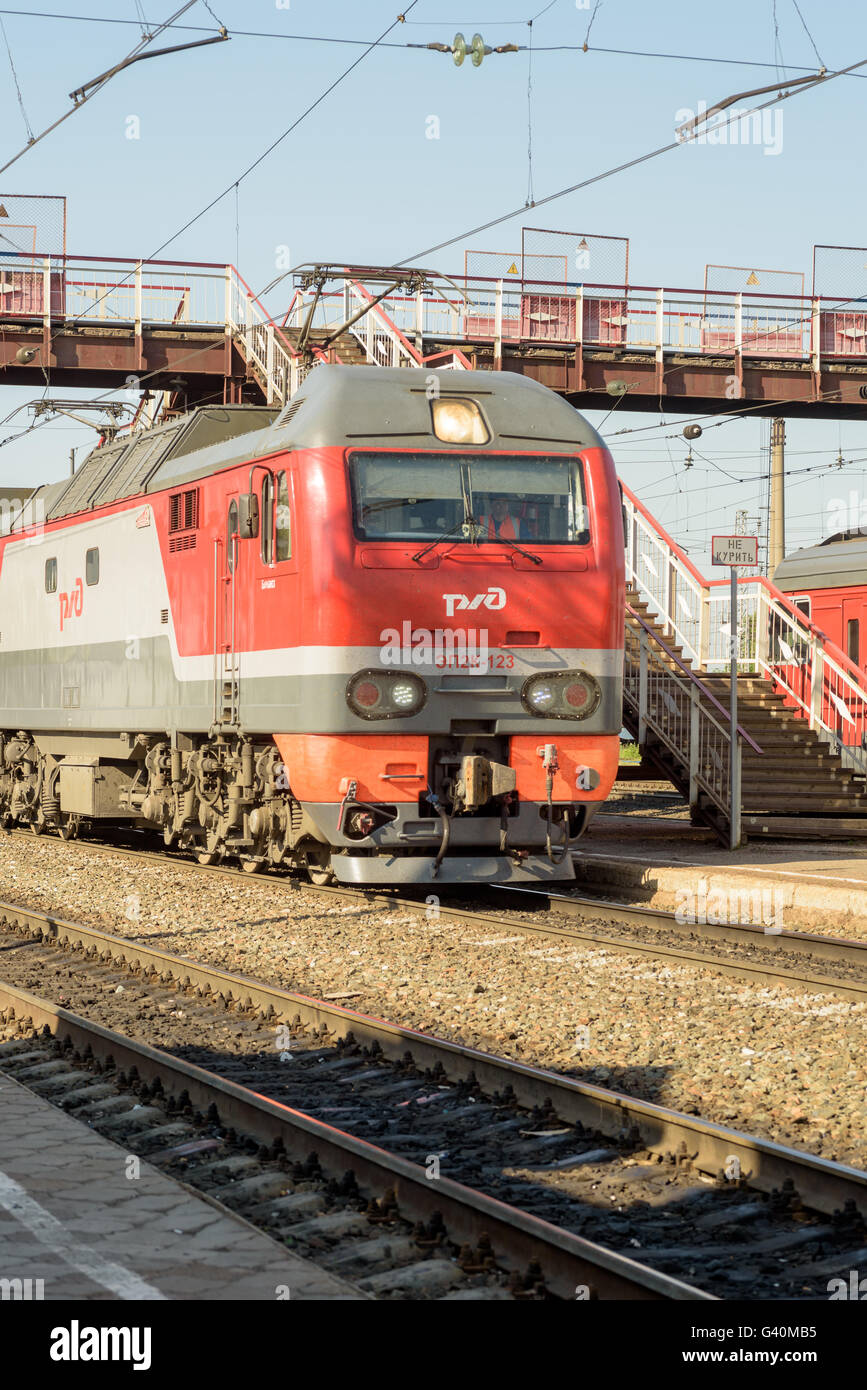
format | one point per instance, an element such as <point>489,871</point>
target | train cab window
<point>91,566</point>
<point>51,575</point>
<point>803,604</point>
<point>283,531</point>
<point>231,533</point>
<point>852,640</point>
<point>267,521</point>
<point>430,497</point>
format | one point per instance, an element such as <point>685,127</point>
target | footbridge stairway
<point>799,753</point>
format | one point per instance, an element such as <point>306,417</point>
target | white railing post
<point>269,364</point>
<point>660,323</point>
<point>762,637</point>
<point>46,294</point>
<point>694,744</point>
<point>739,322</point>
<point>498,326</point>
<point>642,688</point>
<point>704,630</point>
<point>419,319</point>
<point>815,338</point>
<point>579,317</point>
<point>228,305</point>
<point>817,680</point>
<point>137,310</point>
<point>670,588</point>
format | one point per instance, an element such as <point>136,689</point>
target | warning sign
<point>513,269</point>
<point>735,550</point>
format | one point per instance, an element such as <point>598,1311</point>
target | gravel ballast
<point>783,1065</point>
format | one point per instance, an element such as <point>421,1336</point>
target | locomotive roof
<point>836,563</point>
<point>334,405</point>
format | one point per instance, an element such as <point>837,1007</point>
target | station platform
<point>805,886</point>
<point>71,1217</point>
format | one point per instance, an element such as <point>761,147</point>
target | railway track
<point>629,1175</point>
<point>750,952</point>
<point>213,1126</point>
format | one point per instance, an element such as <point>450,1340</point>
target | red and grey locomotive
<point>375,636</point>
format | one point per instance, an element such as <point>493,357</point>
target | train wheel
<point>252,866</point>
<point>68,829</point>
<point>206,856</point>
<point>37,826</point>
<point>319,869</point>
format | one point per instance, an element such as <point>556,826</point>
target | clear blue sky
<point>359,181</point>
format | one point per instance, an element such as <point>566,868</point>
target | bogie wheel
<point>37,826</point>
<point>252,866</point>
<point>319,869</point>
<point>68,830</point>
<point>206,856</point>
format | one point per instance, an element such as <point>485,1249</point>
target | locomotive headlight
<point>404,695</point>
<point>564,695</point>
<point>540,696</point>
<point>375,694</point>
<point>458,422</point>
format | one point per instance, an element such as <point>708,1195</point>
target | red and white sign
<point>734,550</point>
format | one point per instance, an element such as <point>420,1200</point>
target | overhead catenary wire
<point>234,185</point>
<point>618,169</point>
<point>81,96</point>
<point>360,43</point>
<point>807,32</point>
<point>27,126</point>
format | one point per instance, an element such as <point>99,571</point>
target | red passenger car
<point>828,582</point>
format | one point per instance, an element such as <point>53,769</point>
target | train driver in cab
<point>500,522</point>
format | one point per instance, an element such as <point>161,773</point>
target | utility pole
<point>776,497</point>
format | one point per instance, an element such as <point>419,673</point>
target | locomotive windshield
<point>425,497</point>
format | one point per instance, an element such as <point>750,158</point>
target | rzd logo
<point>494,598</point>
<point>71,604</point>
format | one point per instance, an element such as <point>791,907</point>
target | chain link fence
<point>32,224</point>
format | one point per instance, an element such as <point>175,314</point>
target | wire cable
<point>617,169</point>
<point>807,32</point>
<point>95,87</point>
<point>30,136</point>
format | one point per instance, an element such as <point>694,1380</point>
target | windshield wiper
<point>420,554</point>
<point>467,524</point>
<point>506,540</point>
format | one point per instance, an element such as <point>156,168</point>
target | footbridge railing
<point>668,700</point>
<point>775,641</point>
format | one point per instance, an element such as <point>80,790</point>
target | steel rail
<point>709,1147</point>
<point>839,950</point>
<point>518,1238</point>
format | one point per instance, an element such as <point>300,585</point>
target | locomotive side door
<point>227,674</point>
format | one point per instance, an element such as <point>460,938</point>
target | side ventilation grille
<point>290,411</point>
